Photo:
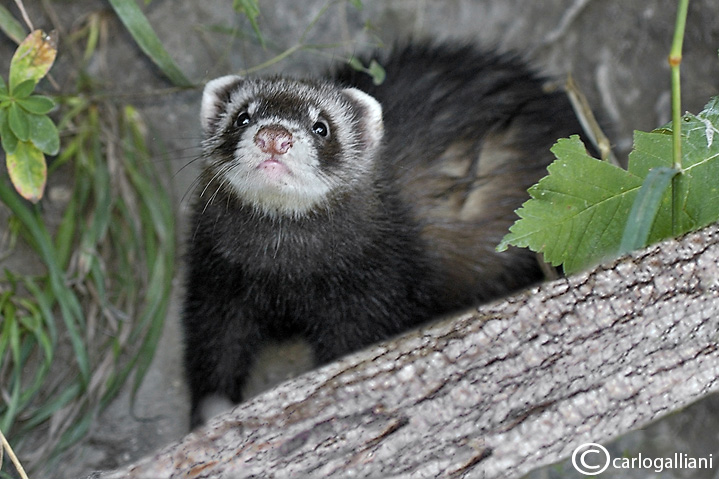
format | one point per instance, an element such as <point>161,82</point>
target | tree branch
<point>495,393</point>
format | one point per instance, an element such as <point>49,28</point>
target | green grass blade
<point>158,293</point>
<point>645,208</point>
<point>76,431</point>
<point>139,27</point>
<point>44,304</point>
<point>35,337</point>
<point>70,308</point>
<point>11,27</point>
<point>11,331</point>
<point>65,233</point>
<point>157,221</point>
<point>4,331</point>
<point>59,401</point>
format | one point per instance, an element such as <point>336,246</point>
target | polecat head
<point>285,146</point>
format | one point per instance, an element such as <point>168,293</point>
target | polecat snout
<point>346,212</point>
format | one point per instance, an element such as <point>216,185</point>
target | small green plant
<point>586,210</point>
<point>374,69</point>
<point>27,133</point>
<point>72,337</point>
<point>87,318</point>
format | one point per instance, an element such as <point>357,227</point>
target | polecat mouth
<point>274,169</point>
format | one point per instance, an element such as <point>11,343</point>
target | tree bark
<point>493,393</point>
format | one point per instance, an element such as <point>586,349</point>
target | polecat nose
<point>275,140</point>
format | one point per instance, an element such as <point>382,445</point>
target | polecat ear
<point>215,98</point>
<point>371,116</point>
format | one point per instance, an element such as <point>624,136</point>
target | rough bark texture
<point>491,394</point>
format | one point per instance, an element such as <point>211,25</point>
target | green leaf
<point>577,212</point>
<point>8,138</point>
<point>3,88</point>
<point>19,122</point>
<point>11,27</point>
<point>28,171</point>
<point>699,185</point>
<point>377,72</point>
<point>645,208</point>
<point>585,210</point>
<point>44,135</point>
<point>141,30</point>
<point>356,64</point>
<point>23,89</point>
<point>33,58</point>
<point>654,150</point>
<point>37,104</point>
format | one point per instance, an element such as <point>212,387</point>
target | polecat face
<point>286,147</point>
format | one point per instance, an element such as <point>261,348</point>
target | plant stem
<point>276,59</point>
<point>675,59</point>
<point>24,14</point>
<point>13,458</point>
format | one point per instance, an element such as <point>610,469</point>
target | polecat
<point>347,212</point>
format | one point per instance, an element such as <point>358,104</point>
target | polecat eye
<point>243,119</point>
<point>320,128</point>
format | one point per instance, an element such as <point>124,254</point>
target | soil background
<point>616,50</point>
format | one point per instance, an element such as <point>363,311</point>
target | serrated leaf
<point>37,104</point>
<point>44,134</point>
<point>575,214</point>
<point>8,138</point>
<point>19,122</point>
<point>33,58</point>
<point>28,171</point>
<point>139,27</point>
<point>697,186</point>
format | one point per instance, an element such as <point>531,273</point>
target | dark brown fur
<point>408,237</point>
